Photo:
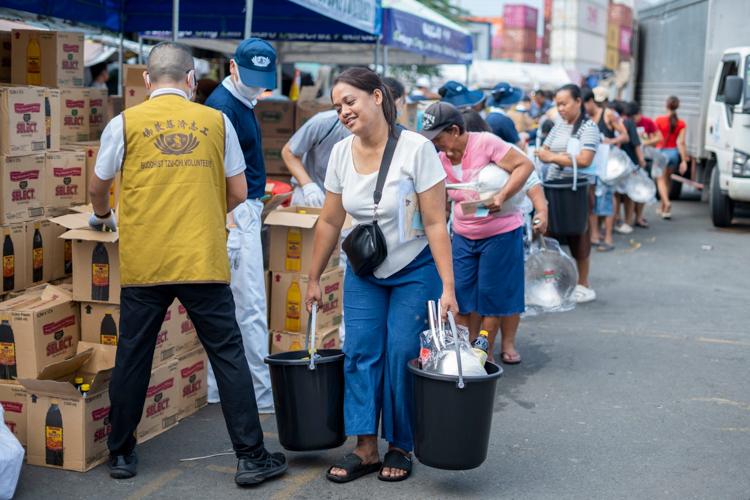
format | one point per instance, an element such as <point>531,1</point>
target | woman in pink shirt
<point>487,250</point>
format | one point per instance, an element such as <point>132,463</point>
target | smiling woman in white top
<point>384,312</point>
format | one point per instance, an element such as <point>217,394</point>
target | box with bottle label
<point>52,99</point>
<point>22,121</point>
<point>288,298</point>
<point>74,115</point>
<point>293,237</point>
<point>162,405</point>
<point>23,193</point>
<point>5,51</point>
<point>66,430</point>
<point>100,323</point>
<point>193,366</point>
<point>65,181</point>
<point>287,341</point>
<point>39,329</point>
<point>13,401</point>
<point>40,255</point>
<point>14,257</point>
<point>62,255</point>
<point>98,118</point>
<point>47,58</point>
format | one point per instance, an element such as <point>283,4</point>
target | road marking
<point>297,482</point>
<point>155,484</point>
<point>741,429</point>
<point>264,416</point>
<point>220,468</point>
<point>188,464</point>
<point>744,406</point>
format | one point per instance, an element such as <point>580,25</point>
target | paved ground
<point>641,394</point>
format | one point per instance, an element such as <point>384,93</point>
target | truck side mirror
<point>733,90</point>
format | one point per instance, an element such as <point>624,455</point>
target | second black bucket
<point>308,396</point>
<point>452,425</point>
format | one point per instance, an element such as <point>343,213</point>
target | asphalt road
<point>643,393</point>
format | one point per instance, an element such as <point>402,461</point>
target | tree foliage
<point>447,9</point>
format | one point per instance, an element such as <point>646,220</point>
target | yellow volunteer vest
<point>172,209</point>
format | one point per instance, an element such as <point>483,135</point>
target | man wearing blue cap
<point>252,71</point>
<point>504,96</point>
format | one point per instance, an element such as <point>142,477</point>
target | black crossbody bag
<point>365,246</point>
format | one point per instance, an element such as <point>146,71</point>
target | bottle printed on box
<point>100,273</point>
<point>34,61</point>
<point>53,430</point>
<point>293,249</point>
<point>9,263</point>
<point>48,119</point>
<point>108,332</point>
<point>37,255</point>
<point>68,256</point>
<point>293,304</point>
<point>8,368</point>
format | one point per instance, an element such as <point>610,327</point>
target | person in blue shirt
<point>539,105</point>
<point>503,96</point>
<point>252,71</point>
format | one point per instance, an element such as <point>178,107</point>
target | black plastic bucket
<point>308,396</point>
<point>568,210</point>
<point>452,425</point>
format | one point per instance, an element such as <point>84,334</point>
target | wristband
<point>105,216</point>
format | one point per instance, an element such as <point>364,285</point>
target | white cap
<point>423,81</point>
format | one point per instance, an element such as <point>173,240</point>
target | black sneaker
<point>123,466</point>
<point>256,470</point>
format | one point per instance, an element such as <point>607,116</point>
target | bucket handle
<point>311,322</point>
<point>452,321</point>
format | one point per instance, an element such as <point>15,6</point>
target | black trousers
<point>211,308</point>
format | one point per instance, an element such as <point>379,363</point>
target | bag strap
<point>385,164</point>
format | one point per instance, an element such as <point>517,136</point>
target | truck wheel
<point>675,189</point>
<point>722,208</point>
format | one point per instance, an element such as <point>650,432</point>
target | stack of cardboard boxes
<point>276,120</point>
<point>292,234</point>
<point>619,34</point>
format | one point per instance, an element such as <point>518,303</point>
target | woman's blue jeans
<point>384,318</point>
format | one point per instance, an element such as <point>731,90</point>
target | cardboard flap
<point>290,218</point>
<point>50,387</point>
<point>56,293</point>
<point>65,367</point>
<point>73,221</point>
<point>89,235</point>
<point>273,204</point>
<point>101,381</point>
<point>103,357</point>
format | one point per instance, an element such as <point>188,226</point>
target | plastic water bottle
<point>480,347</point>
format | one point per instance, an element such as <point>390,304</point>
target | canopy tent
<point>487,74</point>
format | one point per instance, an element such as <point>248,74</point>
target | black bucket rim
<point>329,356</point>
<point>414,368</point>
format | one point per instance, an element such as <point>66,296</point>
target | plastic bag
<point>442,360</point>
<point>640,188</point>
<point>619,166</point>
<point>11,459</point>
<point>550,279</point>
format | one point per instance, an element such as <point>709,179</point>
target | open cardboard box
<point>81,440</point>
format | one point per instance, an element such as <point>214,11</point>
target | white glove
<point>234,246</point>
<point>97,223</point>
<point>314,196</point>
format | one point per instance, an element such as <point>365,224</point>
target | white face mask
<point>249,93</point>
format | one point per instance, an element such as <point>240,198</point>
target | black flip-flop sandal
<point>394,459</point>
<point>352,464</point>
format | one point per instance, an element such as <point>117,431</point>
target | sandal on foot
<point>510,360</point>
<point>605,247</point>
<point>642,223</point>
<point>394,459</point>
<point>666,215</point>
<point>354,468</point>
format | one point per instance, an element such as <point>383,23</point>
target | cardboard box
<point>307,109</point>
<point>329,314</point>
<point>62,255</point>
<point>14,257</point>
<point>168,338</point>
<point>193,368</point>
<point>58,61</point>
<point>45,329</point>
<point>98,118</point>
<point>39,254</point>
<point>162,405</point>
<point>411,116</point>
<point>95,328</point>
<point>134,88</point>
<point>268,295</point>
<point>613,36</point>
<point>613,58</point>
<point>52,96</point>
<point>287,341</point>
<point>22,121</point>
<point>91,151</point>
<point>114,105</point>
<point>13,401</point>
<point>5,50</point>
<point>65,181</point>
<point>52,400</point>
<point>23,192</point>
<point>74,115</point>
<point>272,147</point>
<point>184,336</point>
<point>281,221</point>
<point>275,117</point>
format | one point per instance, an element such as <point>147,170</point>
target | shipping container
<point>519,39</point>
<point>520,16</point>
<point>621,15</point>
<point>519,56</point>
<point>579,14</point>
<point>577,49</point>
<point>626,36</point>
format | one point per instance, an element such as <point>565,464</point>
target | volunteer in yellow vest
<point>182,171</point>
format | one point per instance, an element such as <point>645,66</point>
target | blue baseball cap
<point>460,96</point>
<point>256,62</point>
<point>505,95</point>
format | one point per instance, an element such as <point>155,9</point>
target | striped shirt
<point>557,142</point>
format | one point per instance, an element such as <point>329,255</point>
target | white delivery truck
<point>697,50</point>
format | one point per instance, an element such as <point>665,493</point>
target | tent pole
<point>377,53</point>
<point>248,18</point>
<point>175,19</point>
<point>467,74</point>
<point>279,73</point>
<point>385,60</point>
<point>140,49</point>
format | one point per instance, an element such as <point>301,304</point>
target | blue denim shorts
<point>604,199</point>
<point>674,157</point>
